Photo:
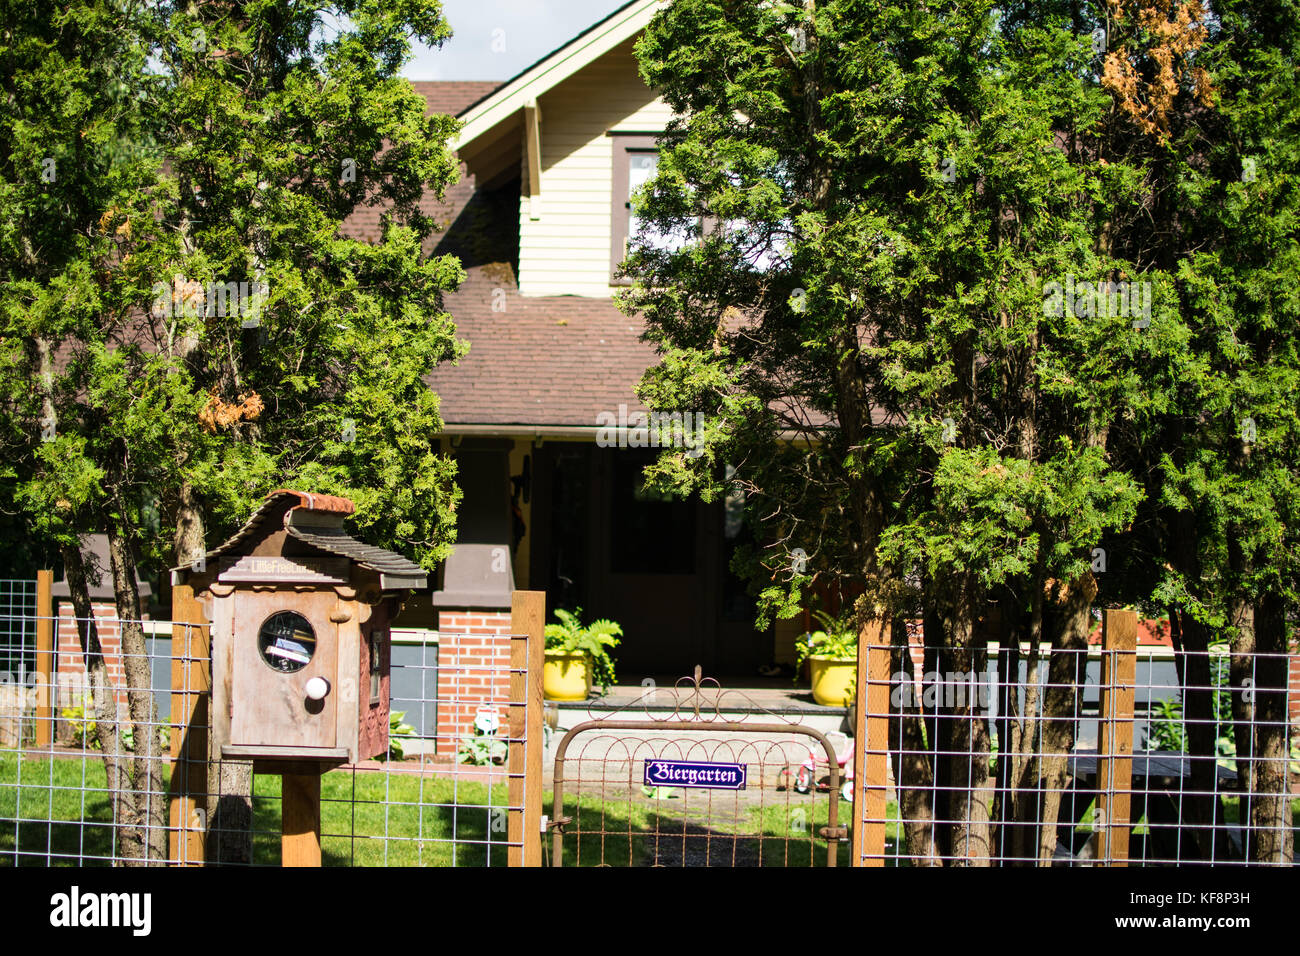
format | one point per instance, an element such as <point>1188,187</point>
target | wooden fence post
<point>871,747</point>
<point>300,817</point>
<point>45,692</point>
<point>524,766</point>
<point>191,683</point>
<point>1115,735</point>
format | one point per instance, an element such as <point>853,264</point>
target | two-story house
<point>540,220</point>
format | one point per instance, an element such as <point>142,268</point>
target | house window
<point>374,667</point>
<point>636,160</point>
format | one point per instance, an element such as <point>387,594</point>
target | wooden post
<point>45,692</point>
<point>527,644</point>
<point>300,818</point>
<point>871,747</point>
<point>191,682</point>
<point>1115,735</point>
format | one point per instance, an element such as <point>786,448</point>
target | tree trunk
<point>1242,676</point>
<point>970,795</point>
<point>1005,632</point>
<point>1025,797</point>
<point>230,782</point>
<point>913,775</point>
<point>1200,801</point>
<point>103,702</point>
<point>1270,818</point>
<point>1072,606</point>
<point>149,795</point>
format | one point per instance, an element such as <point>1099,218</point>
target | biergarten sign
<point>685,773</point>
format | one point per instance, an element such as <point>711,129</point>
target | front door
<point>655,577</point>
<point>279,646</point>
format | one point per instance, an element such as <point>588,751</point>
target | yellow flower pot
<point>833,681</point>
<point>566,676</point>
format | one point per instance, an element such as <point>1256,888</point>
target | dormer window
<point>636,161</point>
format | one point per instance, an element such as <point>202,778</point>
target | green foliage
<point>83,730</point>
<point>570,637</point>
<point>190,152</point>
<point>884,205</point>
<point>397,729</point>
<point>482,749</point>
<point>837,640</point>
<point>1168,730</point>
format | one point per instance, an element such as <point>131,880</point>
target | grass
<point>377,819</point>
<point>648,833</point>
<point>55,812</point>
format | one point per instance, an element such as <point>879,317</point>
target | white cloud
<point>495,39</point>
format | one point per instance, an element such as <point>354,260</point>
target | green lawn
<point>367,818</point>
<point>399,819</point>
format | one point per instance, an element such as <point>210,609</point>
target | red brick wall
<point>1293,698</point>
<point>473,672</point>
<point>71,666</point>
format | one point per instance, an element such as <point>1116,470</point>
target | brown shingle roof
<point>277,511</point>
<point>453,97</point>
<point>549,360</point>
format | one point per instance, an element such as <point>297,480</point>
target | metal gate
<point>662,790</point>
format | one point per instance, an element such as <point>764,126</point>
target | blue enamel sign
<point>685,773</point>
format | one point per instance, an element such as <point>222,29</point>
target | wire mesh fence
<point>1103,755</point>
<point>126,712</point>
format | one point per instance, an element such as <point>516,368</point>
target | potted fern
<point>832,654</point>
<point>577,656</point>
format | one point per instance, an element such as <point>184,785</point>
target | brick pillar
<point>1293,686</point>
<point>473,671</point>
<point>71,665</point>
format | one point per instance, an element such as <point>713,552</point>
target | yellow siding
<point>566,251</point>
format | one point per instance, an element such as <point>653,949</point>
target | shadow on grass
<point>54,812</point>
<point>603,832</point>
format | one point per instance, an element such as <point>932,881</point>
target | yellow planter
<point>566,676</point>
<point>833,681</point>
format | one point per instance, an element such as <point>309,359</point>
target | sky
<point>495,39</point>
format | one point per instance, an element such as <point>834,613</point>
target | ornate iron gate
<point>619,815</point>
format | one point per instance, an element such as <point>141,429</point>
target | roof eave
<point>553,69</point>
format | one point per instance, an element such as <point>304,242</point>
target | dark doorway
<point>654,563</point>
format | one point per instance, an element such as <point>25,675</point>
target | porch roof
<point>552,361</point>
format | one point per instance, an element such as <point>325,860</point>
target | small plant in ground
<point>482,747</point>
<point>397,729</point>
<point>83,730</point>
<point>481,751</point>
<point>570,637</point>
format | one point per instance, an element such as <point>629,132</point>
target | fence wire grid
<point>1079,757</point>
<point>100,791</point>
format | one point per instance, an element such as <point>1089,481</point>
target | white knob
<point>317,688</point>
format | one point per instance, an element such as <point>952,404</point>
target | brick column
<point>1293,685</point>
<point>71,666</point>
<point>473,671</point>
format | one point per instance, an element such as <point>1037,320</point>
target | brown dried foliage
<point>219,414</point>
<point>1176,30</point>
